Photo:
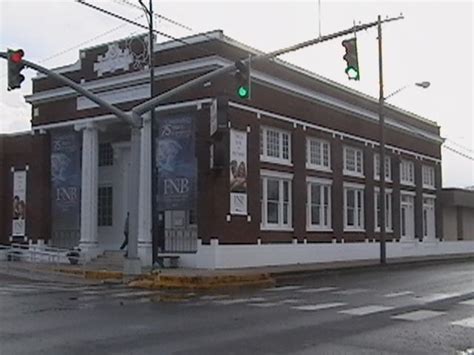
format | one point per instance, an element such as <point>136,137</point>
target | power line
<point>458,152</point>
<point>460,145</point>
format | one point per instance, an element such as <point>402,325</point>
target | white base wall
<point>215,256</point>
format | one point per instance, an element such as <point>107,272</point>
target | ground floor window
<point>276,200</point>
<point>388,210</point>
<point>105,206</point>
<point>429,217</point>
<point>319,204</point>
<point>407,216</point>
<point>353,207</point>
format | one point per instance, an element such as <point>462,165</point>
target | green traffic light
<point>352,73</point>
<point>243,92</point>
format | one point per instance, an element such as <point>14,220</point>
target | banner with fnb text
<point>19,203</point>
<point>238,172</point>
<point>176,162</point>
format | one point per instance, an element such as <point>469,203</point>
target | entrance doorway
<point>407,217</point>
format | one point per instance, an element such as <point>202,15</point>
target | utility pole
<point>382,148</point>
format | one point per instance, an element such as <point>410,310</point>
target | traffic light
<point>352,69</point>
<point>15,66</point>
<point>243,79</point>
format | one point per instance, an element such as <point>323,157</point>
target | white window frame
<point>388,167</point>
<point>357,152</point>
<point>280,177</point>
<point>428,176</point>
<point>263,146</point>
<point>322,183</point>
<point>405,177</point>
<point>388,210</point>
<point>321,143</point>
<point>358,215</point>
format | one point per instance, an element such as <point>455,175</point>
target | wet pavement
<point>420,310</point>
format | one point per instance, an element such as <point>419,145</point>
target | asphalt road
<point>412,310</point>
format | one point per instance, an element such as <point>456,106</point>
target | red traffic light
<point>17,56</point>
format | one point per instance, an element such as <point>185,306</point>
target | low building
<point>295,167</point>
<point>458,214</point>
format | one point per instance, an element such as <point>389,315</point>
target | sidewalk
<point>181,278</point>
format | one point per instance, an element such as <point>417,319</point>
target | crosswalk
<point>397,305</point>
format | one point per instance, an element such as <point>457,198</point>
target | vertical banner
<point>19,203</point>
<point>65,182</point>
<point>238,172</point>
<point>176,161</point>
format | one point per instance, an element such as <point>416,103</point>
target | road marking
<point>437,297</point>
<point>352,291</point>
<point>132,294</point>
<point>316,290</point>
<point>398,294</point>
<point>466,322</point>
<point>265,304</point>
<point>214,297</point>
<point>362,311</point>
<point>283,288</point>
<point>418,315</point>
<point>239,300</point>
<point>468,302</point>
<point>290,301</point>
<point>317,307</point>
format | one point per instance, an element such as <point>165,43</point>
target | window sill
<point>429,187</point>
<point>386,231</point>
<point>353,174</point>
<point>318,168</point>
<point>407,183</point>
<point>276,228</point>
<point>319,229</point>
<point>386,180</point>
<point>275,161</point>
<point>348,229</point>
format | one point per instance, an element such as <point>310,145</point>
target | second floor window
<point>275,145</point>
<point>317,154</point>
<point>428,176</point>
<point>388,167</point>
<point>407,172</point>
<point>353,161</point>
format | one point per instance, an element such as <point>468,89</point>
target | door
<point>407,217</point>
<point>428,218</point>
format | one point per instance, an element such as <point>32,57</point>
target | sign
<point>238,172</point>
<point>19,203</point>
<point>177,164</point>
<point>65,180</point>
<point>213,122</point>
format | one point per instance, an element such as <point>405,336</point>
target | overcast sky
<point>434,42</point>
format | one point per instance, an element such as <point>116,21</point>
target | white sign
<point>213,122</point>
<point>19,204</point>
<point>238,172</point>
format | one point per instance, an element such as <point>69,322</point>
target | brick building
<point>295,165</point>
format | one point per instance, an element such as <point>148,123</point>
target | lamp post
<point>382,98</point>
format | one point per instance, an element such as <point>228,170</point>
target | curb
<point>202,282</point>
<point>93,274</point>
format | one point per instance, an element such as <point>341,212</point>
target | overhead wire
<point>460,145</point>
<point>458,152</point>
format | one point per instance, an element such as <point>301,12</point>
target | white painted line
<point>132,294</point>
<point>290,301</point>
<point>398,294</point>
<point>214,297</point>
<point>418,315</point>
<point>265,304</point>
<point>239,300</point>
<point>466,322</point>
<point>18,290</point>
<point>283,288</point>
<point>316,290</point>
<point>362,311</point>
<point>468,302</point>
<point>437,297</point>
<point>352,291</point>
<point>317,307</point>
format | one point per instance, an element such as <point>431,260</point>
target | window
<point>353,208</point>
<point>106,154</point>
<point>428,176</point>
<point>407,172</point>
<point>429,217</point>
<point>317,154</point>
<point>353,161</point>
<point>388,167</point>
<point>104,206</point>
<point>319,205</point>
<point>407,216</point>
<point>388,210</point>
<point>276,200</point>
<point>275,146</point>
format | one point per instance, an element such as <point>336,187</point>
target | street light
<point>382,99</point>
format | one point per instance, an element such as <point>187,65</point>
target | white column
<point>144,204</point>
<point>89,189</point>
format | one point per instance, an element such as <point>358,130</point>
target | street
<point>412,309</point>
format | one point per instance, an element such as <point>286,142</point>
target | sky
<point>434,42</point>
